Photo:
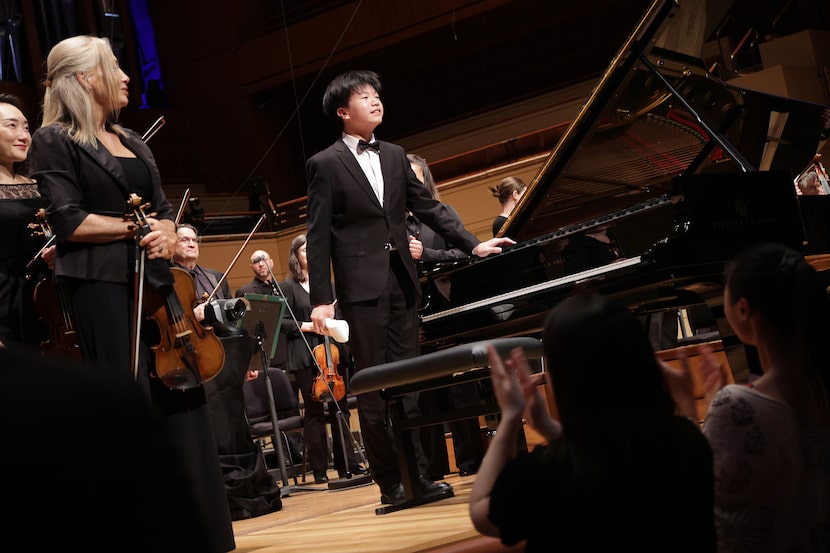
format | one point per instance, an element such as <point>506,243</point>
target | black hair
<point>789,294</point>
<point>340,89</point>
<point>606,379</point>
<point>6,98</point>
<point>294,267</point>
<point>21,167</point>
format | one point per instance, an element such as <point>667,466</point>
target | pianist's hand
<point>492,246</point>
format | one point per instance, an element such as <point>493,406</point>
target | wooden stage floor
<point>344,521</point>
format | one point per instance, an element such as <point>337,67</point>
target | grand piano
<point>682,168</point>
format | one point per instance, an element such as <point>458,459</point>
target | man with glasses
<point>250,489</point>
<point>186,257</point>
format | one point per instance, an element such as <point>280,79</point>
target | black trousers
<point>384,330</point>
<point>314,426</point>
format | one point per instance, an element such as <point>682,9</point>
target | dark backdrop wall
<point>240,83</point>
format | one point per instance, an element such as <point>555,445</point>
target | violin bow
<point>153,129</point>
<point>134,203</point>
<point>185,198</point>
<point>235,259</point>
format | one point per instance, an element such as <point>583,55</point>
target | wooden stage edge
<point>344,521</point>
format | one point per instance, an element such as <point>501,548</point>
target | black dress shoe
<point>433,488</point>
<point>393,496</point>
<point>321,479</point>
<point>354,471</point>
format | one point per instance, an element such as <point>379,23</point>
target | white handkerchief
<point>338,329</point>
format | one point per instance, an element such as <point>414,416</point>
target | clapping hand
<point>712,372</point>
<point>517,392</point>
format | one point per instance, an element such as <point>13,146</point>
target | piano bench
<point>438,369</point>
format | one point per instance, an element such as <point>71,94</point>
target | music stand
<point>263,321</point>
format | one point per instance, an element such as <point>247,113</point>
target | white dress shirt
<point>369,161</point>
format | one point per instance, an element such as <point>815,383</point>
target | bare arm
<point>516,394</point>
<point>160,242</point>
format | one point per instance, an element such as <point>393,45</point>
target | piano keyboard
<point>536,288</point>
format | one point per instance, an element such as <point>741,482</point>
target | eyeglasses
<point>186,239</point>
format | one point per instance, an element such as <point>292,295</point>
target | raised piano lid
<point>654,115</point>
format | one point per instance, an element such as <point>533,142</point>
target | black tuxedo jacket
<point>78,180</point>
<point>347,226</point>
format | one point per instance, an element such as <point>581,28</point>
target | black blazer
<point>78,180</point>
<point>435,247</point>
<point>347,227</point>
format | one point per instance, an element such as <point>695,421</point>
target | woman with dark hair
<point>301,341</point>
<point>508,192</point>
<point>468,445</point>
<point>771,439</point>
<point>619,468</point>
<point>19,202</point>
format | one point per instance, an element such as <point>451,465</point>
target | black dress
<point>18,320</point>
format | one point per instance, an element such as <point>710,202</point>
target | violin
<point>188,353</point>
<point>52,303</point>
<point>328,382</point>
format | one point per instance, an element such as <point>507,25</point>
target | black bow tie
<point>362,146</point>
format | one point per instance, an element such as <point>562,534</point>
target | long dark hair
<point>787,291</point>
<point>294,267</point>
<point>606,379</point>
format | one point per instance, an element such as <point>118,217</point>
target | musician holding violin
<point>307,355</point>
<point>186,256</point>
<point>89,169</point>
<point>19,201</point>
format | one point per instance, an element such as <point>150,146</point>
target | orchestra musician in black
<point>186,256</point>
<point>263,282</point>
<point>19,201</point>
<point>88,169</point>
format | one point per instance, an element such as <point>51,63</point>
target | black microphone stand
<point>272,404</point>
<point>340,418</point>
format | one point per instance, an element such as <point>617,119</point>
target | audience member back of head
<point>771,439</point>
<point>627,472</point>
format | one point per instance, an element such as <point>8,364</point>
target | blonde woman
<point>86,166</point>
